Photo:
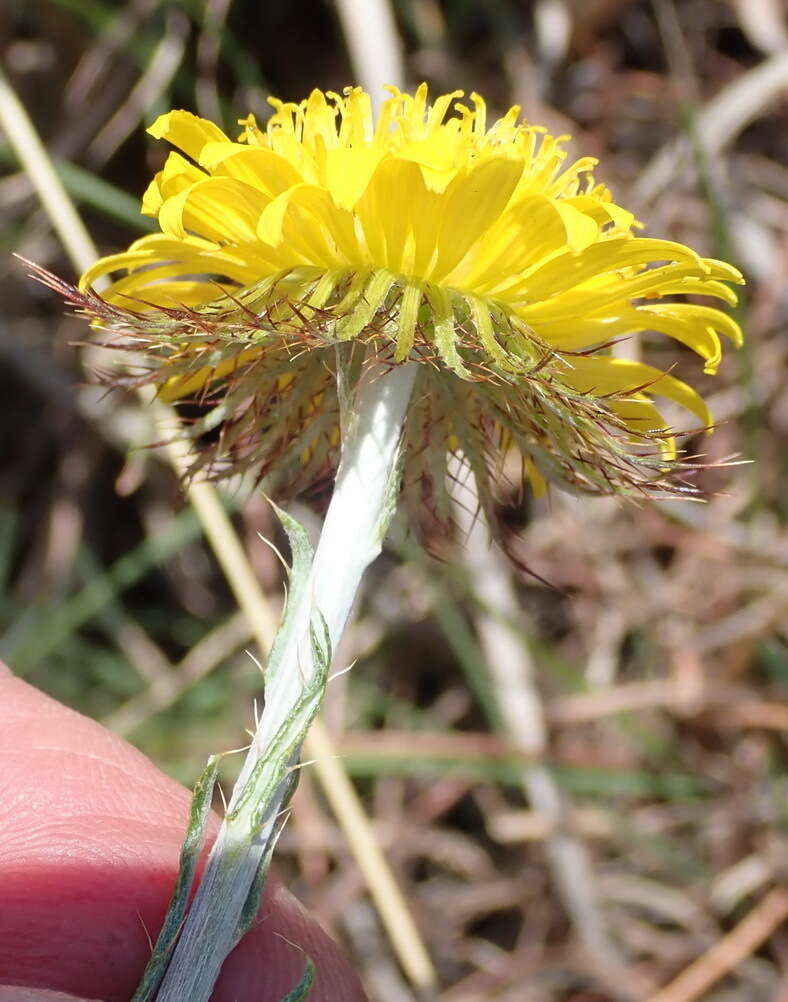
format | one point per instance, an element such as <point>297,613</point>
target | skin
<point>90,833</point>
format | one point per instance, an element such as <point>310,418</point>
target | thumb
<point>90,836</point>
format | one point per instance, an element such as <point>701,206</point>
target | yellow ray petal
<point>606,296</point>
<point>256,166</point>
<point>337,224</point>
<point>176,175</point>
<point>723,270</point>
<point>581,229</point>
<point>270,225</point>
<point>568,270</point>
<point>151,249</point>
<point>174,293</point>
<point>535,479</point>
<point>190,383</point>
<point>111,263</point>
<point>691,313</point>
<point>220,209</point>
<point>138,284</point>
<point>436,155</point>
<point>575,335</point>
<point>602,212</point>
<point>186,131</point>
<point>700,287</point>
<point>384,211</point>
<point>620,376</point>
<point>152,199</point>
<point>474,202</point>
<point>528,232</point>
<point>349,171</point>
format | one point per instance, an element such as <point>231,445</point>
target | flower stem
<point>363,501</point>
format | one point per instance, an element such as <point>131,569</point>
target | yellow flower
<point>426,235</point>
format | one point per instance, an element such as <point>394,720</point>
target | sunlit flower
<point>477,251</point>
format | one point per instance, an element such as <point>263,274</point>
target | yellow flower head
<point>429,235</point>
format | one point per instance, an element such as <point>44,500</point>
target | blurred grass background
<point>630,833</point>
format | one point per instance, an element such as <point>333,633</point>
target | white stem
<point>355,524</point>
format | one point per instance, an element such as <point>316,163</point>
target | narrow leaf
<point>304,986</point>
<point>301,556</point>
<point>190,854</point>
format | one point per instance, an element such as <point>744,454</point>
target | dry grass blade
<point>760,922</point>
<point>65,219</point>
<point>764,23</point>
<point>167,687</point>
<point>717,124</point>
<point>513,676</point>
<point>147,91</point>
<point>371,37</point>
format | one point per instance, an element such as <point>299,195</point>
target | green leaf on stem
<point>301,556</point>
<point>304,986</point>
<point>190,854</point>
